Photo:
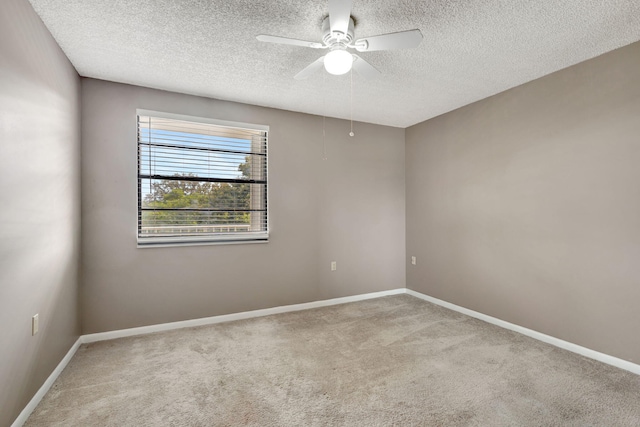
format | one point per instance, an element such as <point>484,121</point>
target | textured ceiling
<point>471,49</point>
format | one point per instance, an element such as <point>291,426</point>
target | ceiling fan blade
<point>363,68</point>
<point>339,15</point>
<point>310,69</point>
<point>401,40</point>
<point>285,40</point>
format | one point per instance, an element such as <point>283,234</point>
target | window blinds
<point>200,181</point>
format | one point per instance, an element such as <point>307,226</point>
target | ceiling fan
<point>337,36</point>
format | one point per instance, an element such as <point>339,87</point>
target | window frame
<point>204,239</point>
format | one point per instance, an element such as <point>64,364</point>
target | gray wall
<point>349,208</point>
<point>40,205</point>
<point>526,206</point>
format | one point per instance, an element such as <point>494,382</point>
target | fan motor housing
<point>332,39</point>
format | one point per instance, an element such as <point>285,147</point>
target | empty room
<point>323,213</point>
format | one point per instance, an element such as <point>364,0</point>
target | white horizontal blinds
<point>200,181</point>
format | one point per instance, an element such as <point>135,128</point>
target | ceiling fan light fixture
<point>338,36</point>
<point>338,62</point>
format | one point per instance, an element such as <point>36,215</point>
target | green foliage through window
<point>199,179</point>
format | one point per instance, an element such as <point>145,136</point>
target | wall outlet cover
<point>35,324</point>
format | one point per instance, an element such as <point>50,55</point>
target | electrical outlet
<point>413,260</point>
<point>334,266</point>
<point>34,324</point>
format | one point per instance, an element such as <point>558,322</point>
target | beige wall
<point>40,205</point>
<point>349,208</point>
<point>526,206</point>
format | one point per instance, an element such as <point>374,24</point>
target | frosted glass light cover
<point>338,62</point>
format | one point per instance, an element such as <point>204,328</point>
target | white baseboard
<point>592,354</point>
<point>102,336</point>
<point>22,418</point>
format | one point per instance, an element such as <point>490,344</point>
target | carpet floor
<point>391,361</point>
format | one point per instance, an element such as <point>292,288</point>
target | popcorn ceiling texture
<point>471,49</point>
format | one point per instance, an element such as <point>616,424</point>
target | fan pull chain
<point>324,118</point>
<point>324,142</point>
<point>351,78</point>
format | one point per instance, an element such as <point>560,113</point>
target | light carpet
<point>392,361</point>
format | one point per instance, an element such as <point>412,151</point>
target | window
<point>200,180</point>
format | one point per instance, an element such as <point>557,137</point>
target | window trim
<point>245,238</point>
